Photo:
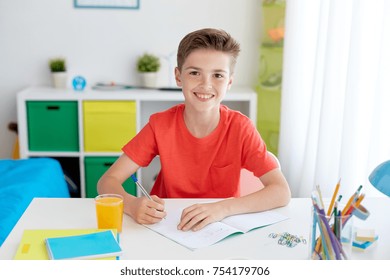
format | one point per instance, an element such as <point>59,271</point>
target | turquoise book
<point>32,244</point>
<point>94,245</point>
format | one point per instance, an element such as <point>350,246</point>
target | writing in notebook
<point>214,232</point>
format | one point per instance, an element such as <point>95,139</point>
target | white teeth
<point>204,96</point>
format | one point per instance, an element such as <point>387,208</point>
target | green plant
<point>148,63</point>
<point>57,65</point>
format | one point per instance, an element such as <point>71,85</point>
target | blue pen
<point>140,187</point>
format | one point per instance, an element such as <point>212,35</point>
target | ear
<point>177,77</point>
<point>230,82</point>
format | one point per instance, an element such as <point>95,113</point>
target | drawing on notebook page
<point>214,232</point>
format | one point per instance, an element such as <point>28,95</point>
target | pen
<point>140,187</point>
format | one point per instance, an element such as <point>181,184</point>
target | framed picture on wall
<point>107,4</point>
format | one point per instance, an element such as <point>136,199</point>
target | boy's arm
<point>276,193</point>
<point>141,209</point>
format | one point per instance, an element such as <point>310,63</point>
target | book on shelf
<point>111,86</point>
<point>214,232</point>
<point>33,243</point>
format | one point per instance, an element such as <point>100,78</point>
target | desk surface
<point>139,242</point>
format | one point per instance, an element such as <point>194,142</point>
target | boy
<point>202,144</point>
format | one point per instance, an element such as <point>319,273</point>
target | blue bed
<point>21,181</point>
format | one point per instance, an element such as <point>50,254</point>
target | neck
<point>201,124</point>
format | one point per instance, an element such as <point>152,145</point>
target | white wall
<point>103,44</point>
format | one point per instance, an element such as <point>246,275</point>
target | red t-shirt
<point>206,167</point>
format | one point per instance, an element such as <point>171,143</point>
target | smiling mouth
<point>204,96</point>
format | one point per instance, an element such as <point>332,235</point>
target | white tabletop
<point>141,243</point>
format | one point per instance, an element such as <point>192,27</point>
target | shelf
<point>145,102</point>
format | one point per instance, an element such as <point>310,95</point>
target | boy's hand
<point>197,216</point>
<point>146,211</point>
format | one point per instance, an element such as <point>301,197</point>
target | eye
<point>194,73</point>
<point>218,75</point>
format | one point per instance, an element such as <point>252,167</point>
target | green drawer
<point>52,126</point>
<point>95,168</point>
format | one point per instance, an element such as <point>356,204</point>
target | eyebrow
<point>198,69</point>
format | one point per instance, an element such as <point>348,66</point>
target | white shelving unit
<point>147,102</point>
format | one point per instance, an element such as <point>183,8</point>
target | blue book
<point>363,244</point>
<point>84,246</point>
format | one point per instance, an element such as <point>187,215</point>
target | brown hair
<point>208,38</point>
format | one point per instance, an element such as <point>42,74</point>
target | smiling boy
<point>202,144</point>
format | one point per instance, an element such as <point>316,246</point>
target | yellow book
<point>32,245</point>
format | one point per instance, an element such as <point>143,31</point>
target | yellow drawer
<point>108,125</point>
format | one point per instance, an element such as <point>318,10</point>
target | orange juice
<point>109,211</point>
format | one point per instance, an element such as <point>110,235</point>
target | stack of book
<point>364,238</point>
<point>67,244</point>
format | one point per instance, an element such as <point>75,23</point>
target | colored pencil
<point>333,197</point>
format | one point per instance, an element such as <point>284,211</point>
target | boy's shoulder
<point>234,116</point>
<point>167,114</point>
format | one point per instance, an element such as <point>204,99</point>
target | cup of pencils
<point>331,231</point>
<point>331,235</point>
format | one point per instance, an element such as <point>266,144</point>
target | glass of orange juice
<point>109,211</point>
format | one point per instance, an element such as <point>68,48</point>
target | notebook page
<point>247,222</point>
<point>207,236</point>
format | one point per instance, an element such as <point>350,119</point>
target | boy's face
<point>204,78</point>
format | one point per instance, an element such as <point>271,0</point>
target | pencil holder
<point>330,235</point>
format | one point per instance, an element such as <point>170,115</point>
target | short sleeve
<point>255,156</point>
<point>142,148</point>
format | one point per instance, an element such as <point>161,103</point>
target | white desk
<point>141,243</point>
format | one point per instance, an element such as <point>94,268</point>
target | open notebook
<point>214,232</point>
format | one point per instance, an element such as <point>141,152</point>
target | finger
<point>151,216</point>
<point>189,210</point>
<point>186,217</point>
<point>155,213</point>
<point>158,200</point>
<point>202,224</point>
<point>147,220</point>
<point>159,207</point>
<point>155,205</point>
<point>189,224</point>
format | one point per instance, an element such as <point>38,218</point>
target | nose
<point>206,87</point>
<point>206,84</point>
